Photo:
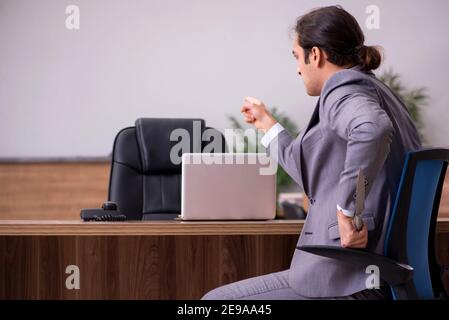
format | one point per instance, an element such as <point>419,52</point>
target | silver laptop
<point>228,186</point>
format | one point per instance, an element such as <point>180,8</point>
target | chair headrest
<point>155,135</point>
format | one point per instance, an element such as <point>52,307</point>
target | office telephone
<point>108,212</point>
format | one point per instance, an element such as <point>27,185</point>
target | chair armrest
<point>393,272</point>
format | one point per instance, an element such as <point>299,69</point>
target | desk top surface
<point>172,227</point>
<point>154,228</point>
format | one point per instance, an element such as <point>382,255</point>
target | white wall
<point>67,93</point>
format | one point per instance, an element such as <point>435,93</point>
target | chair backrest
<point>410,235</point>
<point>144,182</point>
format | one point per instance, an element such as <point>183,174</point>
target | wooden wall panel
<point>51,190</point>
<point>60,190</point>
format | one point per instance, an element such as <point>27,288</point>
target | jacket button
<point>311,200</point>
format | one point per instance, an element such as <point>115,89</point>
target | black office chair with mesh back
<point>408,264</point>
<point>144,182</point>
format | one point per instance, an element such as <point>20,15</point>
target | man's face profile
<point>308,71</point>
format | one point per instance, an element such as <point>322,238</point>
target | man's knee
<point>215,294</point>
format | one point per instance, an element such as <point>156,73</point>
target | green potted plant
<point>414,99</point>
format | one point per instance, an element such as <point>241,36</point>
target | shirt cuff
<point>271,134</point>
<point>347,213</point>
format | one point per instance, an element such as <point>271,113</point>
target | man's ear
<point>317,57</point>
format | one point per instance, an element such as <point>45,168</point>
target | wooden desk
<point>138,260</point>
<point>145,260</point>
<point>148,228</point>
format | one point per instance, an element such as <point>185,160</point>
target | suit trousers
<point>275,286</point>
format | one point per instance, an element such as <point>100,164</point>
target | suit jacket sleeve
<point>285,150</point>
<point>359,119</point>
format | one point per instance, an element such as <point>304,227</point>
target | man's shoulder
<point>347,83</point>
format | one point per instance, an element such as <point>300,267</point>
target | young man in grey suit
<point>358,123</point>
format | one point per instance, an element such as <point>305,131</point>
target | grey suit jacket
<point>358,122</point>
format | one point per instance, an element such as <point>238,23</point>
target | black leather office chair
<point>144,182</point>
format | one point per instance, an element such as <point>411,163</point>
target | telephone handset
<point>108,212</point>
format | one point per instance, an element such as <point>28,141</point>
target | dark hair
<point>336,32</point>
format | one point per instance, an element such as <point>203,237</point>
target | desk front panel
<point>136,267</point>
<point>147,260</point>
